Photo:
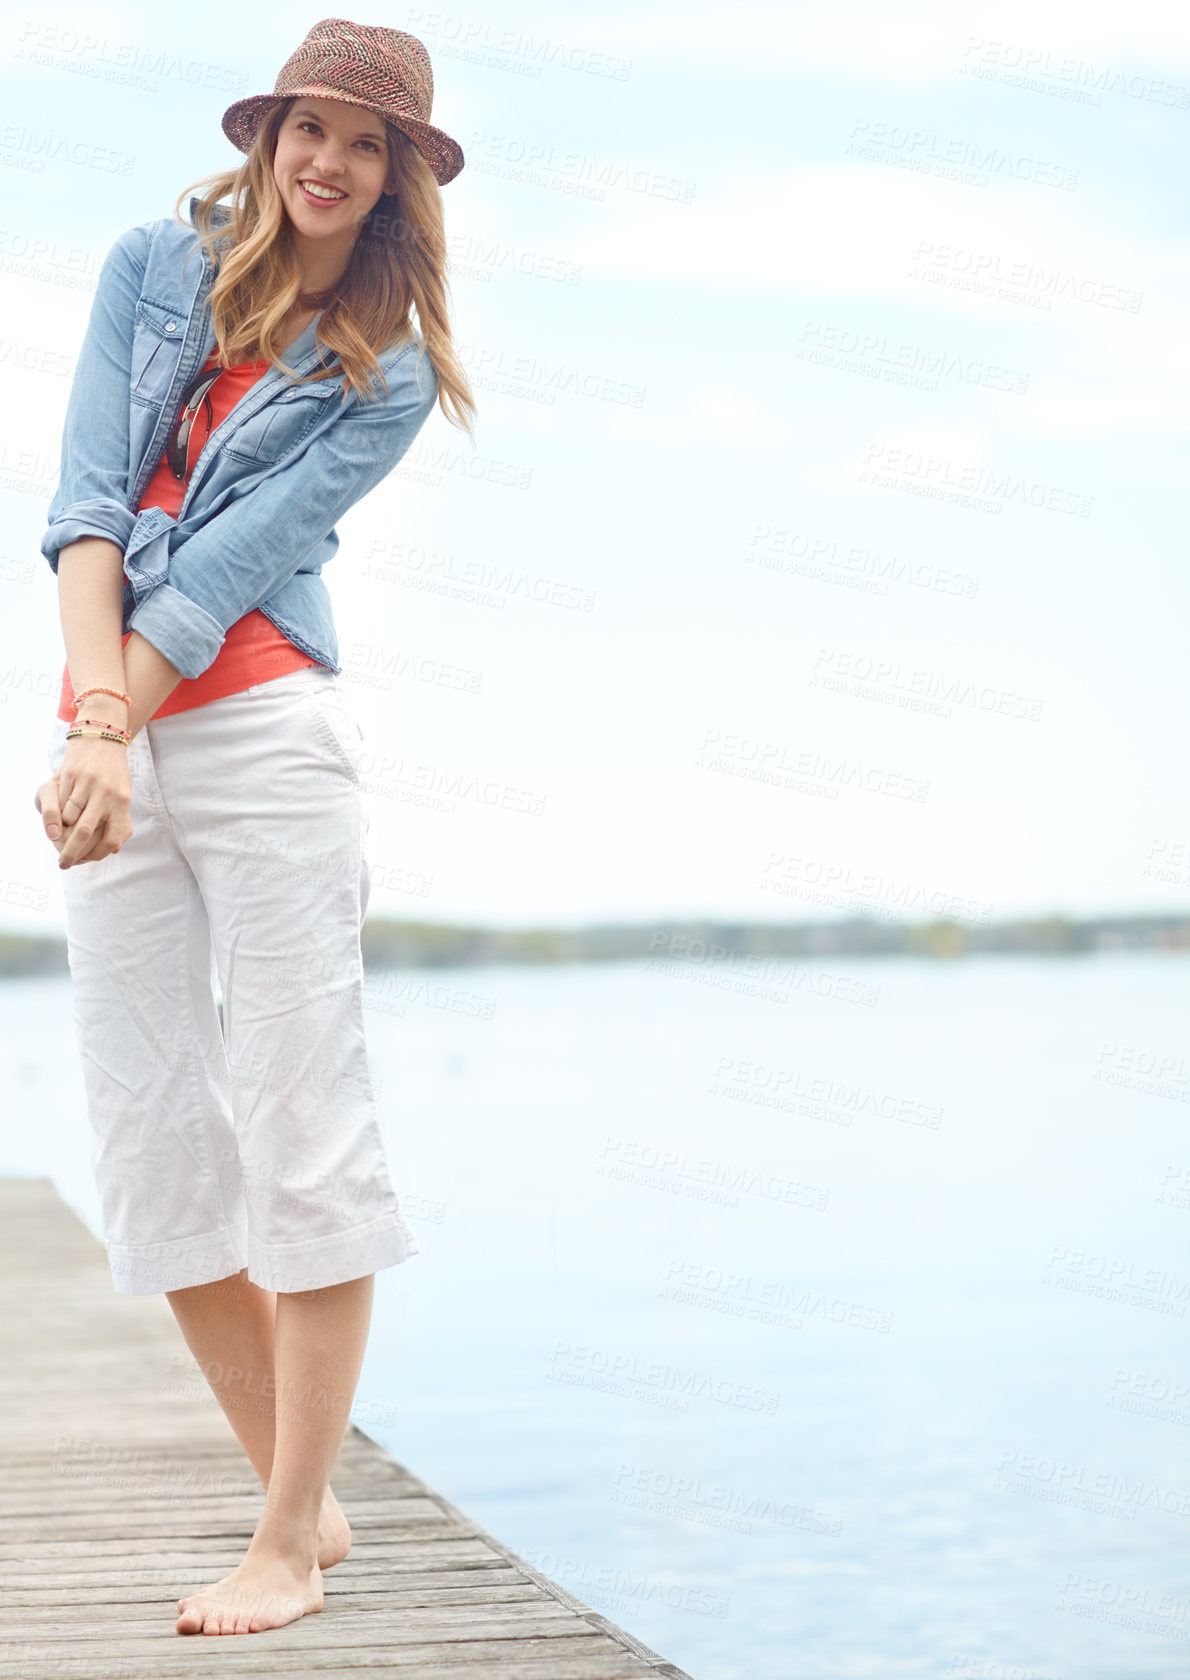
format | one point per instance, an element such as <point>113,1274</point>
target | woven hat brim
<point>444,155</point>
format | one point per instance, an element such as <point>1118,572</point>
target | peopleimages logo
<point>1100,1484</point>
<point>924,474</point>
<point>618,1371</point>
<point>714,1503</point>
<point>767,1299</point>
<point>1018,64</point>
<point>576,1573</point>
<point>844,671</point>
<point>1018,279</point>
<point>737,1177</point>
<point>1121,1274</point>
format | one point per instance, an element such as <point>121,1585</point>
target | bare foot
<point>334,1538</point>
<point>334,1532</point>
<point>262,1592</point>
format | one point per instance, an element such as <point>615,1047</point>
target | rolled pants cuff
<point>318,1263</point>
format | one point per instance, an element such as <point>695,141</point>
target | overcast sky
<point>823,543</point>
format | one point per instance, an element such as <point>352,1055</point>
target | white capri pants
<point>252,1142</point>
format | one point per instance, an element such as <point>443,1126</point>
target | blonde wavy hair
<point>398,264</point>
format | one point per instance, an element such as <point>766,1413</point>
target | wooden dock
<point>122,1486</point>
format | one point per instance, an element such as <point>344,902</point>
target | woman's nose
<point>329,161</point>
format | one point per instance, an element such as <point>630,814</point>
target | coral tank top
<point>253,649</point>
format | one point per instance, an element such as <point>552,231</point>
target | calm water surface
<point>836,1327</point>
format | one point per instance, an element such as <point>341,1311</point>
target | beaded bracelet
<point>98,688</point>
<point>104,723</point>
<point>106,734</point>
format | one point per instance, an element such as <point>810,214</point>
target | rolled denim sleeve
<point>92,495</point>
<point>242,554</point>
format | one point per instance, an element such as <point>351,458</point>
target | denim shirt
<point>258,520</point>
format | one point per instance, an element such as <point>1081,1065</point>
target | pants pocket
<point>336,725</point>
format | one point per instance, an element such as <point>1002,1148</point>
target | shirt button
<point>170,326</point>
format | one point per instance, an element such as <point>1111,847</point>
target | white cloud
<point>913,43</point>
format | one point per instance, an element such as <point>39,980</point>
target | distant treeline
<point>392,944</point>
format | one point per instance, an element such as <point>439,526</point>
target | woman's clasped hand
<point>84,805</point>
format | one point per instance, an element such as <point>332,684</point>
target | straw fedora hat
<point>384,70</point>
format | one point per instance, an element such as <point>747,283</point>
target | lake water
<point>826,1322</point>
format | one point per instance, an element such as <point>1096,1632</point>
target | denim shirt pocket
<point>156,346</point>
<point>282,423</point>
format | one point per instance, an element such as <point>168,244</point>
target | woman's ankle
<point>294,1545</point>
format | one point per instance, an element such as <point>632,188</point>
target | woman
<point>205,795</point>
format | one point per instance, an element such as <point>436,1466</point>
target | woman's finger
<point>81,836</point>
<point>47,801</point>
<point>104,826</point>
<point>111,836</point>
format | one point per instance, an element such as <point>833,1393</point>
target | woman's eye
<point>308,123</point>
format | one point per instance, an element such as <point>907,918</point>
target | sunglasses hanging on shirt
<point>193,398</point>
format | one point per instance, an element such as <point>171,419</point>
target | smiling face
<point>330,166</point>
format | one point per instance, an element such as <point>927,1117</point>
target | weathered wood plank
<point>541,1618</point>
<point>582,1659</point>
<point>265,1653</point>
<point>442,1554</point>
<point>123,1486</point>
<point>140,1588</point>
